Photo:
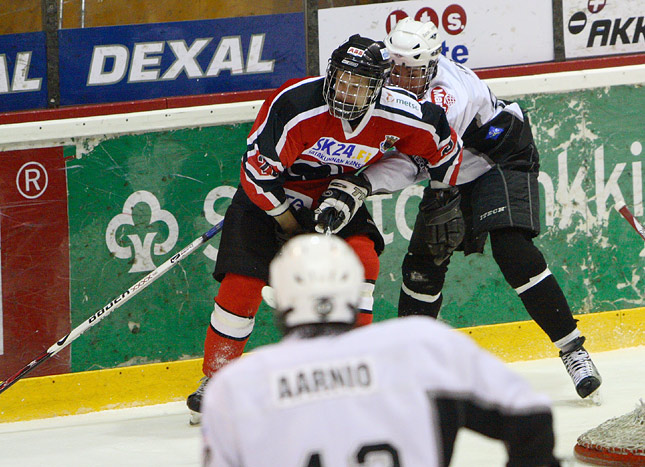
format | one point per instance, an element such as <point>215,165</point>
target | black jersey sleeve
<point>507,140</point>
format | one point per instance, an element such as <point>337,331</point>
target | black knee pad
<point>422,275</point>
<point>516,255</point>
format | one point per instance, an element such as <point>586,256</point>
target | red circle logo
<point>393,18</point>
<point>426,14</point>
<point>454,20</point>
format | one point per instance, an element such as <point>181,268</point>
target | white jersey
<point>462,95</point>
<point>467,101</point>
<point>397,391</point>
<point>469,104</point>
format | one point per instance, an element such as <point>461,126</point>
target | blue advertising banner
<point>121,63</point>
<point>23,71</point>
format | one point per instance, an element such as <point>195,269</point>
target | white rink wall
<point>86,132</point>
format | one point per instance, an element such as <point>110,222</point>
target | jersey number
<point>380,451</point>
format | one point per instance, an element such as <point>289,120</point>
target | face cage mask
<point>417,84</point>
<point>348,94</point>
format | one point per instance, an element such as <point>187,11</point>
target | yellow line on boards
<point>524,340</point>
<point>158,383</point>
<point>90,391</point>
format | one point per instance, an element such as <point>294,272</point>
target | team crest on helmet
<point>388,143</point>
<point>323,307</point>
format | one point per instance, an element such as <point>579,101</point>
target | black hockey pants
<point>523,267</point>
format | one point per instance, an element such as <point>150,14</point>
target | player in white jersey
<point>329,394</point>
<point>498,195</point>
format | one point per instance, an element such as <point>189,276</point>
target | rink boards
<point>133,188</point>
<point>157,383</point>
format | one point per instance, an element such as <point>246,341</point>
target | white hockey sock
<point>573,335</point>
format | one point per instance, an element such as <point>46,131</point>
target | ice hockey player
<point>307,144</point>
<point>497,195</point>
<point>331,394</point>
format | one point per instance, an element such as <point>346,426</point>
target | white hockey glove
<point>268,294</point>
<point>338,204</point>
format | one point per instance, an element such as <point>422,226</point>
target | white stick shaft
<point>110,307</point>
<point>128,294</point>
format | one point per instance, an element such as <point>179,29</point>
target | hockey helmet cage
<point>414,48</point>
<point>355,74</point>
<point>316,279</point>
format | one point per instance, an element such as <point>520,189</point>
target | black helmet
<point>355,74</point>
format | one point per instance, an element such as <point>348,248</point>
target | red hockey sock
<point>364,248</point>
<point>219,350</point>
<point>363,318</point>
<point>232,320</point>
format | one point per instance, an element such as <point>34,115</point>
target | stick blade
<point>629,217</point>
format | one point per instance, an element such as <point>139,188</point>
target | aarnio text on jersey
<point>325,380</point>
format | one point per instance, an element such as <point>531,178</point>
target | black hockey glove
<point>338,204</point>
<point>444,222</point>
<point>305,218</point>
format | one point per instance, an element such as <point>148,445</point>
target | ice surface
<point>160,435</point>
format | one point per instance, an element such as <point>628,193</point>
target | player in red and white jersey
<point>392,393</point>
<point>296,144</point>
<point>304,150</point>
<point>497,195</point>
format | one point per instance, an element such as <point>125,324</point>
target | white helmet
<point>316,279</point>
<point>414,48</point>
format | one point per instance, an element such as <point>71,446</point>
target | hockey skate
<point>583,372</point>
<point>194,402</point>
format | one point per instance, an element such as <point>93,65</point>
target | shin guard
<point>525,269</point>
<point>232,320</point>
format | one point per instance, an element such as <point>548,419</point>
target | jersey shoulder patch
<point>441,97</point>
<point>400,101</point>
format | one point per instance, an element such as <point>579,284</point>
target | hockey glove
<point>444,222</point>
<point>305,218</point>
<point>338,204</point>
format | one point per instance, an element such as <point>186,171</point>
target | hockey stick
<point>626,213</point>
<point>111,306</point>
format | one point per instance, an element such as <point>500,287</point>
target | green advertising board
<point>137,199</point>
